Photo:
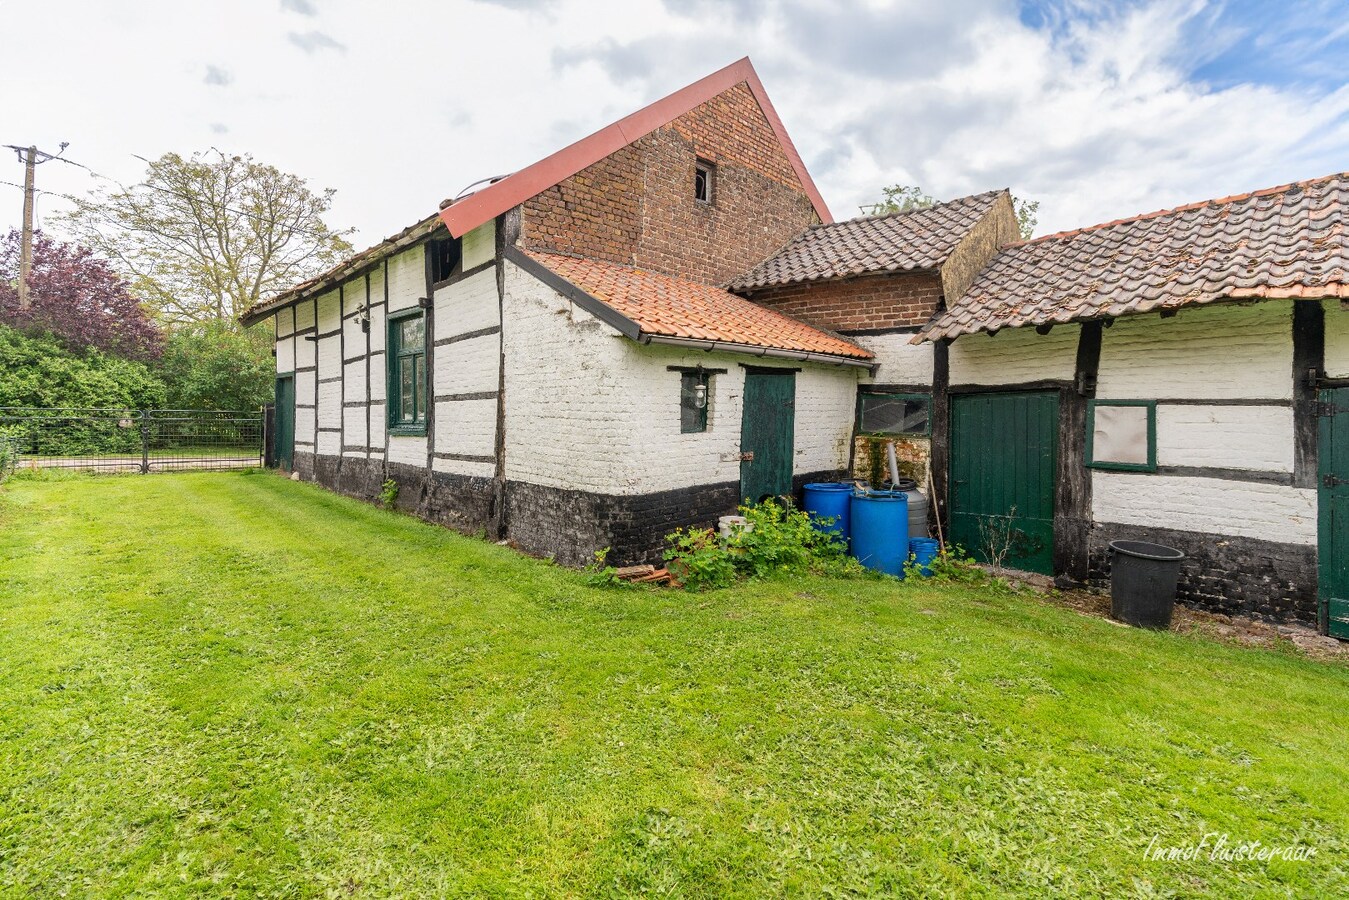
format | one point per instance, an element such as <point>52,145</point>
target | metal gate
<point>125,440</point>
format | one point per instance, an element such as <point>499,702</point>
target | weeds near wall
<point>997,537</point>
<point>388,494</point>
<point>776,539</point>
<point>598,572</point>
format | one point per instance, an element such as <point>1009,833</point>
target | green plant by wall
<point>388,494</point>
<point>700,559</point>
<point>598,572</point>
<point>777,540</point>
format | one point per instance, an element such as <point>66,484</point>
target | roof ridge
<point>476,208</point>
<point>908,212</point>
<point>1186,207</point>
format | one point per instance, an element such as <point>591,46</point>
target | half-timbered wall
<point>341,431</point>
<point>1228,489</point>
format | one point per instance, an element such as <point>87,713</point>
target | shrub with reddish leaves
<point>78,298</point>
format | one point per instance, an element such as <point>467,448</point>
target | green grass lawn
<point>229,684</point>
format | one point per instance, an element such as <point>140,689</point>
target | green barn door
<point>767,431</point>
<point>1333,509</point>
<point>1004,454</point>
<point>283,423</point>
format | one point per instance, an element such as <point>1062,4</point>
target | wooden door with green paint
<point>1333,509</point>
<point>1004,460</point>
<point>767,432</point>
<point>283,423</point>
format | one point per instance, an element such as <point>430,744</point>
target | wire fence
<point>128,440</point>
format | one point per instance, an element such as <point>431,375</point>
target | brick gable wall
<point>892,300</point>
<point>636,206</point>
<point>596,213</point>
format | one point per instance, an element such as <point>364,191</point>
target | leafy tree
<point>204,237</point>
<point>900,198</point>
<point>40,372</point>
<point>77,297</point>
<point>214,366</point>
<point>1027,215</point>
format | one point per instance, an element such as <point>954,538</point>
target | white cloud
<point>1095,116</point>
<point>217,76</point>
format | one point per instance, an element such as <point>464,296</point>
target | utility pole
<point>26,248</point>
<point>29,157</point>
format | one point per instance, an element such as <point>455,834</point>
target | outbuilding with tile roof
<point>1180,378</point>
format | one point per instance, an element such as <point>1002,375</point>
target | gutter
<point>751,350</point>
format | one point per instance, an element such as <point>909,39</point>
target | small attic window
<point>444,253</point>
<point>704,174</point>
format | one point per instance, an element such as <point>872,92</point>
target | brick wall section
<point>595,213</point>
<point>636,207</point>
<point>893,300</point>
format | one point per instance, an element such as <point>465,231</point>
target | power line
<point>15,184</point>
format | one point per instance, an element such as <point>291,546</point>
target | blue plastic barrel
<point>829,501</point>
<point>880,530</point>
<point>924,551</point>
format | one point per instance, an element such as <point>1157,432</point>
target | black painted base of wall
<point>570,526</point>
<point>1224,574</point>
<point>304,465</point>
<point>461,502</point>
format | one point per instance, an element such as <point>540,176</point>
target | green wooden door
<point>1333,509</point>
<point>1004,456</point>
<point>767,432</point>
<point>283,423</point>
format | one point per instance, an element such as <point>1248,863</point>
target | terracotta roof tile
<point>918,239</point>
<point>674,307</point>
<point>1287,241</point>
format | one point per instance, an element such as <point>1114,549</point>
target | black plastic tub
<point>1143,581</point>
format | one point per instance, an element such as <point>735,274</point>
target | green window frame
<point>407,380</point>
<point>692,409</point>
<point>1117,465</point>
<point>874,408</point>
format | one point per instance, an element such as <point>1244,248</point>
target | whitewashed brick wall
<point>285,348</point>
<point>1226,437</point>
<point>899,361</point>
<point>304,315</point>
<point>467,427</point>
<point>407,278</point>
<point>1337,339</point>
<point>1203,353</point>
<point>479,245</point>
<point>468,305</point>
<point>591,410</point>
<point>1015,355</point>
<point>1269,512</point>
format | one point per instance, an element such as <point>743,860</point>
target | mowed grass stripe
<point>232,684</point>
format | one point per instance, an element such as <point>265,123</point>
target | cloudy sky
<point>1098,110</point>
